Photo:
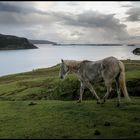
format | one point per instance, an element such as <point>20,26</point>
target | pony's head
<point>64,69</point>
<point>68,66</point>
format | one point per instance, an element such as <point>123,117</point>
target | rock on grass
<point>107,123</point>
<point>97,132</point>
<point>32,103</point>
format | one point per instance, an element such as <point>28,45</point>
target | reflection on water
<point>15,61</point>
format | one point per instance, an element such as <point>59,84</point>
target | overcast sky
<point>72,22</point>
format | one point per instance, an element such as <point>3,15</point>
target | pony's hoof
<point>118,104</point>
<point>99,102</point>
<point>102,102</point>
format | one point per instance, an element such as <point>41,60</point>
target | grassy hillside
<point>26,112</point>
<point>45,84</point>
<point>67,119</point>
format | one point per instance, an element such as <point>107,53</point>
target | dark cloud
<point>15,7</point>
<point>133,14</point>
<point>23,14</point>
<point>8,7</point>
<point>92,19</point>
<point>20,8</point>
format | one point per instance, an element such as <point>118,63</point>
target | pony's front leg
<point>109,88</point>
<point>81,92</point>
<point>90,87</point>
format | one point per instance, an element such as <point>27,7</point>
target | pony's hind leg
<point>81,92</point>
<point>109,88</point>
<point>118,91</point>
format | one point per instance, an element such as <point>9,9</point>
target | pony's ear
<point>62,60</point>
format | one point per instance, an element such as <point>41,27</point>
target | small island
<point>9,42</point>
<point>136,51</point>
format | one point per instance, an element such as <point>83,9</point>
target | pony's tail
<point>122,82</point>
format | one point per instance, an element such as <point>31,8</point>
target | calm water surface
<point>16,61</point>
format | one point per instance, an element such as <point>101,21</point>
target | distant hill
<point>10,42</point>
<point>42,42</point>
<point>89,44</point>
<point>106,44</point>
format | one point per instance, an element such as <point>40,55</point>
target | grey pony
<point>90,72</point>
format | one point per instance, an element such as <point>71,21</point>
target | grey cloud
<point>133,14</point>
<point>78,33</point>
<point>22,14</point>
<point>72,3</point>
<point>104,24</point>
<point>89,19</point>
<point>19,20</point>
<point>127,5</point>
<point>15,7</point>
<point>8,8</point>
<point>18,7</point>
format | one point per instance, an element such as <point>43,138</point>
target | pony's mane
<point>72,63</point>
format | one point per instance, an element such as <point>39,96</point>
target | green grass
<point>67,119</point>
<point>56,113</point>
